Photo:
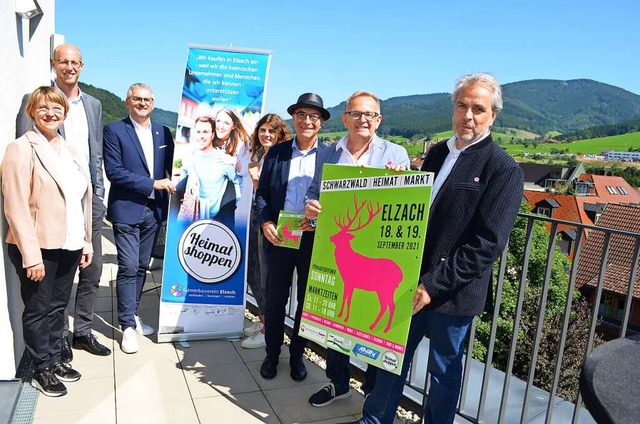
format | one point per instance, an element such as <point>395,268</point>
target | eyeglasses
<point>55,109</point>
<point>356,115</point>
<point>137,99</point>
<point>72,63</point>
<point>302,116</point>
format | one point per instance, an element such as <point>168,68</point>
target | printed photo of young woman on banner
<point>204,274</point>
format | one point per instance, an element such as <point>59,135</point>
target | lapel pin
<point>476,179</point>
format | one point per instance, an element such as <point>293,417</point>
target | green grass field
<point>333,135</point>
<point>593,146</point>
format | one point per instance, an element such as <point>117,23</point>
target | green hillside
<point>114,109</point>
<point>568,106</point>
<point>535,106</point>
<point>532,109</point>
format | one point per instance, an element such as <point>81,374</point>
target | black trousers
<point>88,279</point>
<point>339,373</point>
<point>281,262</point>
<point>45,302</point>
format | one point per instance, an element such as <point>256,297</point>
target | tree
<point>553,314</point>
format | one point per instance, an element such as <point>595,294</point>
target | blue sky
<point>336,47</point>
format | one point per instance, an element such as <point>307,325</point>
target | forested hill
<point>113,108</point>
<point>536,105</point>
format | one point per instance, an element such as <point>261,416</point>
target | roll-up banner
<point>204,275</point>
<point>366,262</point>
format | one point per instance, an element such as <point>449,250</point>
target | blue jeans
<point>134,244</point>
<point>446,348</point>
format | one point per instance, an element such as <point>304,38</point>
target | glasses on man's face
<point>65,63</point>
<point>302,116</point>
<point>54,109</point>
<point>356,115</point>
<point>136,99</point>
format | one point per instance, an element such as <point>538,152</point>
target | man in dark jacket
<point>475,200</point>
<point>138,156</point>
<point>286,175</point>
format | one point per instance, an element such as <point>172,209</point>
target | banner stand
<point>205,267</point>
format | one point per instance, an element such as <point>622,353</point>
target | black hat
<point>310,100</point>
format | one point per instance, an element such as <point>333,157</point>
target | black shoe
<point>66,354</point>
<point>48,383</point>
<point>64,372</point>
<point>327,395</point>
<point>91,345</point>
<point>269,367</point>
<point>298,370</point>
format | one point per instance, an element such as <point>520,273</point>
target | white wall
<point>25,47</point>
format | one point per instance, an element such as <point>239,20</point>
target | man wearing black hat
<point>287,173</point>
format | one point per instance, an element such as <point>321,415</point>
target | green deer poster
<point>366,261</point>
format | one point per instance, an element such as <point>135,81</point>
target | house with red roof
<point>622,266</point>
<point>592,194</point>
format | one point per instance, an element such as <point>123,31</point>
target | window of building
<point>620,309</point>
<point>544,211</point>
<point>622,190</point>
<point>606,303</point>
<point>582,188</point>
<point>612,190</point>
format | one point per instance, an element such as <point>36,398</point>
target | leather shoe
<point>269,367</point>
<point>91,345</point>
<point>298,370</point>
<point>66,354</point>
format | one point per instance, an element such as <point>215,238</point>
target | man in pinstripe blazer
<point>475,200</point>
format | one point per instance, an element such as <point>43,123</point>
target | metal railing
<point>506,394</point>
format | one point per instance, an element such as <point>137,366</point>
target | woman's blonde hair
<point>48,94</point>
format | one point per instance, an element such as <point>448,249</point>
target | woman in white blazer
<point>47,203</point>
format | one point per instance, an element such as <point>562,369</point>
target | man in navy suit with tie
<point>138,158</point>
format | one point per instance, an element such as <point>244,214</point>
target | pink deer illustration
<point>379,275</point>
<point>288,235</point>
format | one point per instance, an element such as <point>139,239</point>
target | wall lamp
<point>27,9</point>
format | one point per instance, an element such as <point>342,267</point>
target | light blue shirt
<point>212,171</point>
<point>301,171</point>
<point>380,153</point>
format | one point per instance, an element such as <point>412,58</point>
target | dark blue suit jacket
<point>131,179</point>
<point>274,177</point>
<point>470,221</point>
